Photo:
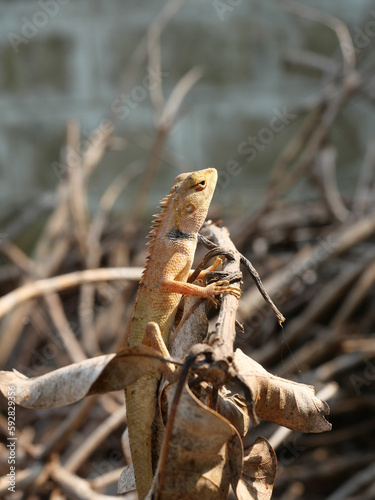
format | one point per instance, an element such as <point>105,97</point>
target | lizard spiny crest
<point>155,224</point>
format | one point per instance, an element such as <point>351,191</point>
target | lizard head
<point>192,194</point>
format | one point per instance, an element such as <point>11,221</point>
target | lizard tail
<point>140,410</point>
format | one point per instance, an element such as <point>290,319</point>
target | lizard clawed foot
<point>222,287</point>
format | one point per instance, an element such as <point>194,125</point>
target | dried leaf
<point>234,409</point>
<point>282,401</point>
<point>235,458</point>
<point>259,472</point>
<point>126,482</point>
<point>197,465</point>
<point>72,383</point>
<point>192,328</point>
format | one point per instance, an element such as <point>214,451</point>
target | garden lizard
<point>173,240</point>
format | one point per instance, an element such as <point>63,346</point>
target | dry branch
<point>57,283</point>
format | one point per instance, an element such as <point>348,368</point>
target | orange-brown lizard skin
<point>172,247</point>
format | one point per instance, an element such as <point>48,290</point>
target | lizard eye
<point>201,185</point>
<point>190,208</point>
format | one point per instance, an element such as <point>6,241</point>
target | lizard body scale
<point>172,245</point>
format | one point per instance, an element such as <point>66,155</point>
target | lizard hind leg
<point>153,338</point>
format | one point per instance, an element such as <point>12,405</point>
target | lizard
<point>173,240</point>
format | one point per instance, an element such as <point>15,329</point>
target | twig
<point>33,211</point>
<point>166,122</point>
<point>295,146</point>
<point>24,478</point>
<point>94,253</point>
<point>255,276</point>
<point>226,322</point>
<point>75,486</point>
<point>355,483</point>
<point>300,326</point>
<point>356,295</point>
<point>154,59</point>
<point>106,479</point>
<point>14,323</point>
<point>310,257</point>
<point>17,256</point>
<point>76,178</point>
<point>57,313</point>
<point>250,268</point>
<point>340,28</point>
<point>95,439</point>
<point>362,197</point>
<point>62,434</point>
<point>178,94</point>
<point>326,162</point>
<point>139,55</point>
<point>307,59</point>
<point>40,287</point>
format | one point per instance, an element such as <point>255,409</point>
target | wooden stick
<point>41,287</point>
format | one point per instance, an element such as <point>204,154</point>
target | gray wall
<point>71,58</point>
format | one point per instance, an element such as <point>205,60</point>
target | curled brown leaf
<point>282,401</point>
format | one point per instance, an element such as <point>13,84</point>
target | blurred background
<point>69,60</point>
<point>102,105</point>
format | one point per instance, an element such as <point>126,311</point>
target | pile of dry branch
<point>319,270</point>
<point>72,300</point>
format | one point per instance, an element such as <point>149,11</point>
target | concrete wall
<point>61,59</point>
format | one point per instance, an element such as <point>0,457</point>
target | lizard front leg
<point>208,292</point>
<point>171,280</point>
